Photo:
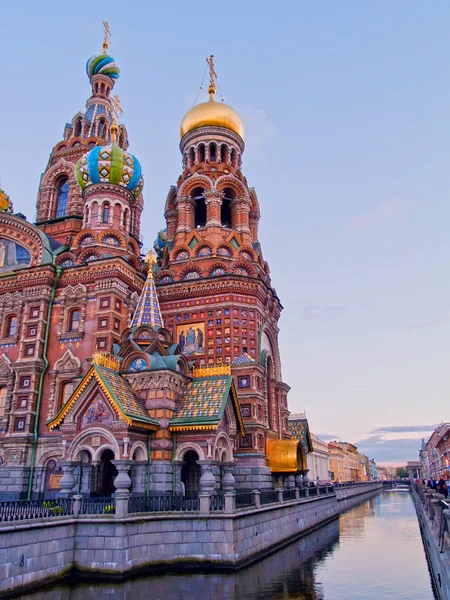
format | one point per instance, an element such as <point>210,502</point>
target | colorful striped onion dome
<point>5,203</point>
<point>110,164</point>
<point>102,64</point>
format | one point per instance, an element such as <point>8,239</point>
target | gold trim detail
<point>104,359</point>
<point>285,456</point>
<point>214,371</point>
<point>191,427</point>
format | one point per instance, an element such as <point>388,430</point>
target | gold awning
<point>285,456</point>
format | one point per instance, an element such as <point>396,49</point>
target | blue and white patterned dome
<point>110,164</point>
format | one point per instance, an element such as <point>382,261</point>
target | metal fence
<point>217,502</point>
<point>269,496</point>
<point>289,494</point>
<point>97,506</point>
<point>244,499</point>
<point>140,504</point>
<point>22,510</point>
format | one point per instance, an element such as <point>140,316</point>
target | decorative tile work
<point>299,429</point>
<point>148,311</point>
<point>204,398</point>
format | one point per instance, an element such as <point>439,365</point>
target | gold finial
<point>107,36</point>
<point>105,359</point>
<point>212,78</point>
<point>117,111</point>
<point>150,259</point>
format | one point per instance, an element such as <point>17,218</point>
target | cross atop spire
<point>106,36</point>
<point>212,77</point>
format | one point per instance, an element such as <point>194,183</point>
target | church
<point>169,362</point>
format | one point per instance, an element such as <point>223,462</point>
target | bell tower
<point>214,286</point>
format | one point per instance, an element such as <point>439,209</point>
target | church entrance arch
<point>105,474</point>
<point>190,474</point>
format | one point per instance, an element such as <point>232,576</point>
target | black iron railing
<point>244,499</point>
<point>140,504</point>
<point>322,490</point>
<point>217,502</point>
<point>269,496</point>
<point>22,510</point>
<point>302,492</point>
<point>313,491</point>
<point>289,494</point>
<point>97,506</point>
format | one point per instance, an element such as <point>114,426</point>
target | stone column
<point>207,485</point>
<point>213,201</point>
<point>184,205</point>
<point>241,213</point>
<point>257,498</point>
<point>122,483</point>
<point>228,481</point>
<point>67,481</point>
<point>279,492</point>
<point>77,503</point>
<point>298,480</point>
<point>230,502</point>
<point>179,485</point>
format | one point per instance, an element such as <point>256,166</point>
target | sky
<point>345,106</point>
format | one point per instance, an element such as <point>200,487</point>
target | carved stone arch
<point>189,268</point>
<point>268,344</point>
<point>79,443</point>
<point>171,200</point>
<point>242,264</point>
<point>254,201</point>
<point>195,181</point>
<point>84,233</point>
<point>62,167</point>
<point>66,369</point>
<point>113,446</point>
<point>232,182</point>
<point>181,248</point>
<point>217,265</point>
<point>165,273</point>
<point>68,362</point>
<point>185,447</point>
<point>65,256</point>
<point>5,365</point>
<point>49,455</point>
<point>134,356</point>
<point>222,444</point>
<point>249,251</point>
<point>72,297</point>
<point>142,451</point>
<point>229,247</point>
<point>25,234</point>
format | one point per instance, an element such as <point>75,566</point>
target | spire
<point>148,311</point>
<point>212,78</point>
<point>117,111</point>
<point>106,36</point>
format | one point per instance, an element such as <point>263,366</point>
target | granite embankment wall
<point>434,522</point>
<point>35,551</point>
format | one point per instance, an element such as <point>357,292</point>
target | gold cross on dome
<point>106,36</point>
<point>117,109</point>
<point>212,72</point>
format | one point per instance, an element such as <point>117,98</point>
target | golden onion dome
<point>212,114</point>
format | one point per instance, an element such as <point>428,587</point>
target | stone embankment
<point>434,520</point>
<point>218,535</point>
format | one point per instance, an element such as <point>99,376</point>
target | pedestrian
<point>442,486</point>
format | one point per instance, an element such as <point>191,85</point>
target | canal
<point>373,551</point>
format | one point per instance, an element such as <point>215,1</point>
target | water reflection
<point>366,554</point>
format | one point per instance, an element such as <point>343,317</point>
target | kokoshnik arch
<point>171,363</point>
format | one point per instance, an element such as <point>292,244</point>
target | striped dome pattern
<point>110,164</point>
<point>102,64</point>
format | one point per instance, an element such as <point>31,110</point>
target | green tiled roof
<point>203,401</point>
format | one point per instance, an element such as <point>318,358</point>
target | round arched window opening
<point>199,207</point>
<point>62,197</point>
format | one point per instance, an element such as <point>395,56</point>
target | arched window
<point>66,391</point>
<point>213,153</point>
<point>101,127</point>
<point>201,153</point>
<point>62,197</point>
<point>74,320</point>
<point>78,128</point>
<point>191,162</point>
<point>199,207</point>
<point>11,326</point>
<point>223,153</point>
<point>234,158</point>
<point>105,213</point>
<point>225,209</point>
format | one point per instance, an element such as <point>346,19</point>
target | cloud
<point>327,437</point>
<point>404,429</point>
<point>425,325</point>
<point>383,212</point>
<point>313,311</point>
<point>259,132</point>
<point>383,450</point>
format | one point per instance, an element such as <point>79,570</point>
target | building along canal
<point>372,551</point>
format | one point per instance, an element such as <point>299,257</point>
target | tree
<point>401,472</point>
